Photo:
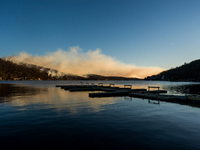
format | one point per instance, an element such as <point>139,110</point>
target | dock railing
<point>157,87</point>
<point>112,85</point>
<point>127,86</point>
<point>100,84</point>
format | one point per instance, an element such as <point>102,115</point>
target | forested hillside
<point>187,72</point>
<point>13,71</point>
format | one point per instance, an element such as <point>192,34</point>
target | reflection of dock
<point>111,90</point>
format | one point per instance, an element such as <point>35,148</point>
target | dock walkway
<point>111,90</point>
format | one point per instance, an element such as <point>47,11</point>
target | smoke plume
<point>74,61</point>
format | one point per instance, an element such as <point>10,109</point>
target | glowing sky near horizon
<point>139,33</point>
<point>75,61</point>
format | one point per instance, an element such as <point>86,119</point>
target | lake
<point>38,115</point>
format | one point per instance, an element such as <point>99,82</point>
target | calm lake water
<point>37,115</point>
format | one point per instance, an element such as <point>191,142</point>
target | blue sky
<point>162,33</point>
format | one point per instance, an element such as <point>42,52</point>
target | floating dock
<point>111,91</point>
<point>152,96</point>
<point>109,94</point>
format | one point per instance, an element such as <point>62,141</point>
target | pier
<point>112,91</point>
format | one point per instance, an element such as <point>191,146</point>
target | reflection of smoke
<point>93,62</point>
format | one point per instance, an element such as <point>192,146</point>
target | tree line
<point>13,71</point>
<point>186,72</point>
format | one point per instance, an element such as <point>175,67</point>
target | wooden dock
<point>112,91</point>
<point>154,96</point>
<point>109,94</point>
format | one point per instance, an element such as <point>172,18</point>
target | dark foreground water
<point>37,115</point>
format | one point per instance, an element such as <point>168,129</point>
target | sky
<point>146,35</point>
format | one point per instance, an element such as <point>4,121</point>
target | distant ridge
<point>12,71</point>
<point>100,77</point>
<point>186,72</point>
<point>21,71</point>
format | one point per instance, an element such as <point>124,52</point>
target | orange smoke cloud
<point>74,61</point>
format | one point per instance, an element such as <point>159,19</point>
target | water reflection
<point>58,118</point>
<point>51,98</point>
<point>74,102</point>
<point>185,89</point>
<point>42,95</point>
<point>157,102</point>
<point>11,92</point>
